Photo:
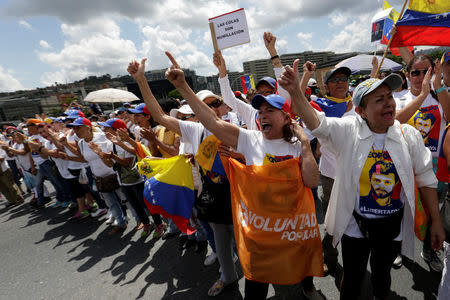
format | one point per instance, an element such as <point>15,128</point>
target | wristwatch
<point>443,88</point>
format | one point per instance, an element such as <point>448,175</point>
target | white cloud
<point>25,24</point>
<point>7,81</point>
<point>102,51</point>
<point>44,44</point>
<point>305,39</point>
<point>354,37</point>
<point>338,19</point>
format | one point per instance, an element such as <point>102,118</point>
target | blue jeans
<point>113,203</point>
<point>49,171</point>
<point>209,234</point>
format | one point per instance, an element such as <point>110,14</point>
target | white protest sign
<point>229,30</point>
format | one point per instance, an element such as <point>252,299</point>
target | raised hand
<point>123,134</point>
<point>174,74</point>
<point>112,137</point>
<point>148,134</point>
<point>290,77</point>
<point>219,62</point>
<point>426,82</point>
<point>269,42</point>
<point>309,68</point>
<point>374,62</point>
<point>137,70</point>
<point>95,148</point>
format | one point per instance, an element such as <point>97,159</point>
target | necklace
<point>378,167</point>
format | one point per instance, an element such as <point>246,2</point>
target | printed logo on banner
<point>270,159</point>
<point>299,227</point>
<point>424,120</point>
<point>379,185</point>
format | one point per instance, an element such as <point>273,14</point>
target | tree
<point>175,94</point>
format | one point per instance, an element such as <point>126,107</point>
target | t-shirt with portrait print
<point>379,184</point>
<point>428,120</point>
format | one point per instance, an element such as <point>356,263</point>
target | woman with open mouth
<point>369,147</point>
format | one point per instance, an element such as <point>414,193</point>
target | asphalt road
<point>45,257</point>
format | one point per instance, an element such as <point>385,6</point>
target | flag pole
<point>390,39</point>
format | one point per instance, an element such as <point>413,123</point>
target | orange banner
<point>275,225</point>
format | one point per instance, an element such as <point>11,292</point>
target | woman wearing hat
<point>371,209</point>
<point>279,136</point>
<point>217,210</point>
<point>90,145</point>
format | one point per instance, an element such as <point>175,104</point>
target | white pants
<point>444,287</point>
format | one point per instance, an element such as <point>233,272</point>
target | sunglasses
<point>216,103</point>
<point>184,118</point>
<point>338,79</point>
<point>415,73</point>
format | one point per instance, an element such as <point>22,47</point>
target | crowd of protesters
<point>367,146</point>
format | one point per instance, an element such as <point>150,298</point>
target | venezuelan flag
<point>208,158</point>
<point>332,107</point>
<point>247,83</point>
<point>169,191</point>
<point>424,23</point>
<point>141,151</point>
<point>388,25</point>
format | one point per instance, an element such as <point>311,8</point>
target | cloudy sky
<point>48,41</point>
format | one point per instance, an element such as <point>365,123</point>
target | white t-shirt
<point>60,163</point>
<point>327,163</point>
<point>99,169</point>
<point>73,165</point>
<point>380,191</point>
<point>191,133</point>
<point>122,153</point>
<point>3,165</point>
<point>400,94</point>
<point>260,151</point>
<point>38,160</point>
<point>429,120</point>
<point>23,160</point>
<point>231,117</point>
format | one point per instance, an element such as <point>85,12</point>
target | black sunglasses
<point>338,79</point>
<point>216,103</point>
<point>184,118</point>
<point>415,73</point>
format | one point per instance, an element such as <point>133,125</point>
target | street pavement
<point>43,256</point>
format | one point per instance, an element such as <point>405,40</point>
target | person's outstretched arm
<point>224,131</point>
<point>137,71</point>
<point>290,80</point>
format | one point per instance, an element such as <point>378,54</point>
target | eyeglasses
<point>415,73</point>
<point>338,79</point>
<point>216,103</point>
<point>183,118</point>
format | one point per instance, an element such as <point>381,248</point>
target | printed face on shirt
<point>379,185</point>
<point>383,184</point>
<point>423,124</point>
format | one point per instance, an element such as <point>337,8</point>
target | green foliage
<point>436,54</point>
<point>175,94</point>
<point>397,59</point>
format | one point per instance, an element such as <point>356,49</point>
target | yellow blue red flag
<point>169,191</point>
<point>425,22</point>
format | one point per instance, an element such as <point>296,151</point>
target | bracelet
<point>274,57</point>
<point>40,148</point>
<point>441,89</point>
